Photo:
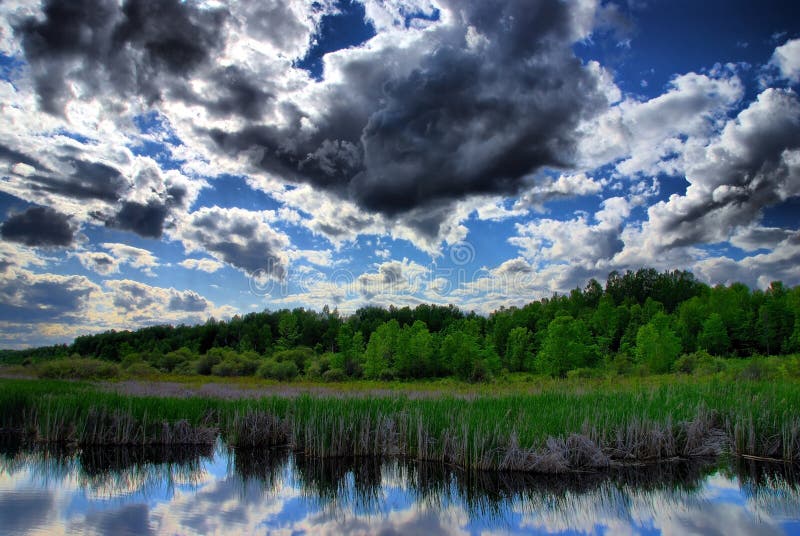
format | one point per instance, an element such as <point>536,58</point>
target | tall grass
<point>560,427</point>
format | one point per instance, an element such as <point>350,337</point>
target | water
<point>217,491</point>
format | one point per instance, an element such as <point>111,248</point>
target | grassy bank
<point>560,426</point>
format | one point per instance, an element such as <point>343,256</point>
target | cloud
<point>153,200</point>
<point>779,264</point>
<point>787,59</point>
<point>140,304</point>
<point>118,254</point>
<point>755,163</point>
<point>97,261</point>
<point>188,301</point>
<point>395,129</point>
<point>39,227</point>
<point>204,265</point>
<point>648,137</point>
<point>244,239</point>
<point>577,240</point>
<point>133,48</point>
<point>565,186</point>
<point>38,298</point>
<point>12,157</point>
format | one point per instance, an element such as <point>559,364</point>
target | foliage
<point>567,346</point>
<point>278,370</point>
<point>714,337</point>
<point>657,346</point>
<point>78,369</point>
<point>235,364</point>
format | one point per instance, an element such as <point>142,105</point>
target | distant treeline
<point>641,321</point>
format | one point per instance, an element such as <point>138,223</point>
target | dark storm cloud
<point>129,47</point>
<point>253,257</point>
<point>238,238</point>
<point>237,93</point>
<point>88,180</point>
<point>14,157</point>
<point>467,120</point>
<point>143,219</point>
<point>39,227</point>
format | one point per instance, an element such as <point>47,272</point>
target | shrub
<point>334,375</point>
<point>282,371</point>
<point>387,375</point>
<point>142,369</point>
<point>235,365</point>
<point>209,359</point>
<point>170,360</point>
<point>313,370</point>
<point>131,359</point>
<point>318,366</point>
<point>81,369</point>
<point>622,364</point>
<point>187,368</point>
<point>300,356</point>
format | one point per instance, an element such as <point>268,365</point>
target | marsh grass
<point>556,427</point>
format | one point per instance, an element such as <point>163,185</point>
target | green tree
<point>567,346</point>
<point>714,337</point>
<point>288,332</point>
<point>462,351</point>
<point>351,351</point>
<point>380,352</point>
<point>518,354</point>
<point>657,346</point>
<point>691,315</point>
<point>605,324</point>
<point>414,351</point>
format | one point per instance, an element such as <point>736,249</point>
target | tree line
<point>640,321</point>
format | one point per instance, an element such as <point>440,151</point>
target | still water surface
<point>218,491</point>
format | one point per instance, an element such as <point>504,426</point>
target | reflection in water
<point>141,491</point>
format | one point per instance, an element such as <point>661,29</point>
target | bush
<point>235,365</point>
<point>300,356</point>
<point>622,364</point>
<point>334,375</point>
<point>131,359</point>
<point>209,359</point>
<point>169,361</point>
<point>79,369</point>
<point>282,371</point>
<point>313,370</point>
<point>187,368</point>
<point>480,372</point>
<point>387,375</point>
<point>142,369</point>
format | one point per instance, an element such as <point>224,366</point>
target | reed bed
<point>553,430</point>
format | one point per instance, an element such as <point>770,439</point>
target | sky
<point>168,161</point>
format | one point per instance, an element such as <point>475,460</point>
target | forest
<point>641,322</point>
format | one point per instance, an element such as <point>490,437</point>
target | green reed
<point>560,426</point>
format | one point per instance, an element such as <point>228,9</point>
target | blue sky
<point>171,161</point>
